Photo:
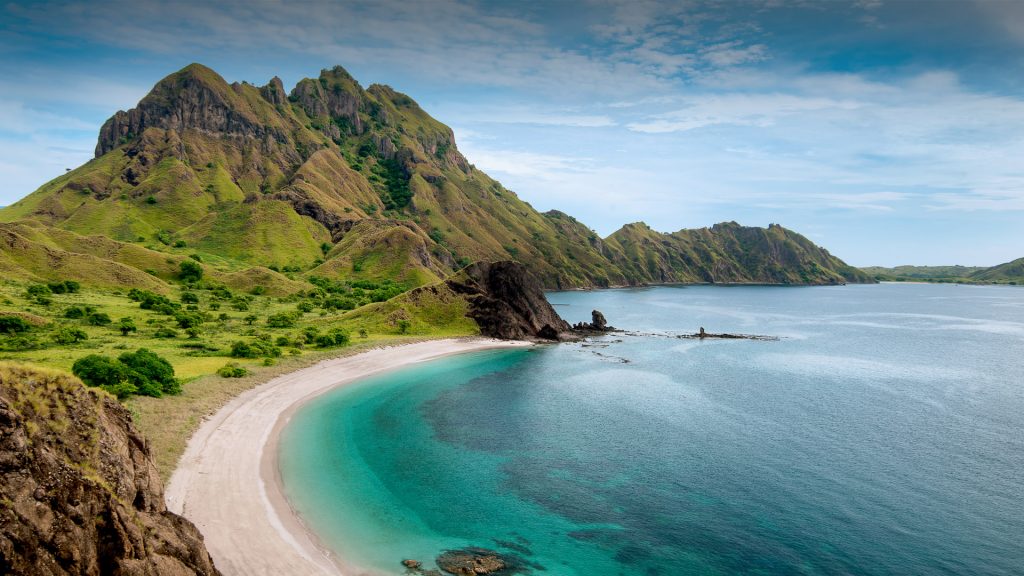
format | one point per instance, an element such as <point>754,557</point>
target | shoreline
<point>227,481</point>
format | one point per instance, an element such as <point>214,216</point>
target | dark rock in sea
<point>472,562</point>
<point>597,324</point>
<point>508,302</point>
<point>79,492</point>
<point>412,564</point>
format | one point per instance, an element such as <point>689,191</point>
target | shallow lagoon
<point>884,434</point>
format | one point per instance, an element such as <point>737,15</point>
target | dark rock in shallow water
<point>597,324</point>
<point>472,562</point>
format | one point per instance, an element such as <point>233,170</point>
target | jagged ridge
<point>361,183</point>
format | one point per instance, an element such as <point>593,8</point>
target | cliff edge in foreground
<point>79,493</point>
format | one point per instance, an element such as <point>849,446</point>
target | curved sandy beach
<point>227,480</point>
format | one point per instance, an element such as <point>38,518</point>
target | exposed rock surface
<point>597,323</point>
<point>506,301</point>
<point>79,493</point>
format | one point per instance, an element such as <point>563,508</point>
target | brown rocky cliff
<point>508,302</point>
<point>79,493</point>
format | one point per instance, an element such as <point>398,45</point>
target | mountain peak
<point>193,97</point>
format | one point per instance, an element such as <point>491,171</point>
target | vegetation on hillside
<point>333,180</point>
<point>1011,273</point>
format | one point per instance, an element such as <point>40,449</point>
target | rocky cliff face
<point>507,302</point>
<point>79,493</point>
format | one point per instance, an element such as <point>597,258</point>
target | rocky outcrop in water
<point>508,302</point>
<point>79,493</point>
<point>597,324</point>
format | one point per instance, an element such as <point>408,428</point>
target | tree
<point>251,318</point>
<point>104,372</point>
<point>150,373</point>
<point>126,325</point>
<point>190,271</point>
<point>189,298</point>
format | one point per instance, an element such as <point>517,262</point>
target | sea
<point>882,433</point>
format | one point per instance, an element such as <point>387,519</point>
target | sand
<point>228,483</point>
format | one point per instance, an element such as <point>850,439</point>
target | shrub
<point>363,333</point>
<point>104,372</point>
<point>403,326</point>
<point>281,320</point>
<point>304,306</point>
<point>69,335</point>
<point>150,373</point>
<point>282,341</point>
<point>232,370</point>
<point>74,312</point>
<point>190,271</point>
<point>189,298</point>
<point>336,337</point>
<point>165,332</point>
<point>254,349</point>
<point>37,290</point>
<point>63,287</point>
<point>14,324</point>
<point>188,320</point>
<point>251,318</point>
<point>22,343</point>
<point>126,325</point>
<point>98,319</point>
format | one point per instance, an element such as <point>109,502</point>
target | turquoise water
<point>883,435</point>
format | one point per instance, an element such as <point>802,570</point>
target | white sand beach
<point>227,481</point>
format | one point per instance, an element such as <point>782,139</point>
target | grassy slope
<point>335,153</point>
<point>1010,272</point>
<point>726,253</point>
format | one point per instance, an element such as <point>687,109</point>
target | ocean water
<point>882,435</point>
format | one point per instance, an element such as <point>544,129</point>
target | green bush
<point>336,337</point>
<point>126,325</point>
<point>281,320</point>
<point>104,372</point>
<point>165,332</point>
<point>140,372</point>
<point>150,373</point>
<point>98,319</point>
<point>65,335</point>
<point>232,370</point>
<point>37,290</point>
<point>14,324</point>
<point>64,287</point>
<point>190,271</point>
<point>189,298</point>
<point>254,349</point>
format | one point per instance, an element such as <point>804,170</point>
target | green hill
<point>1008,272</point>
<point>334,180</point>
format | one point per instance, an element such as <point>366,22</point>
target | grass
<point>169,421</point>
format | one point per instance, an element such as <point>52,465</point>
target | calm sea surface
<point>882,435</point>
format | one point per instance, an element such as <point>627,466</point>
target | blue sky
<point>889,132</point>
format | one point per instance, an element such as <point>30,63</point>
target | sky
<point>890,132</point>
